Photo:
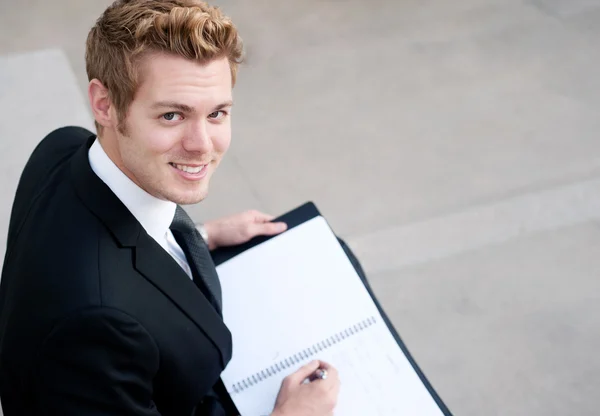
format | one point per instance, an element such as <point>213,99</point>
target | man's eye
<point>217,114</point>
<point>171,116</point>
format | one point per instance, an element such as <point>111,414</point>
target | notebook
<point>296,297</point>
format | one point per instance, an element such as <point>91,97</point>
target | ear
<point>100,104</point>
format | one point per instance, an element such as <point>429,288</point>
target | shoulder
<point>62,140</point>
<point>42,172</point>
<point>54,149</point>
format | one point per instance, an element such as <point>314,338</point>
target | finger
<point>305,372</point>
<point>329,383</point>
<point>326,366</point>
<point>335,388</point>
<point>332,374</point>
<point>269,228</point>
<point>261,217</point>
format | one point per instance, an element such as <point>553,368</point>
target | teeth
<point>189,169</point>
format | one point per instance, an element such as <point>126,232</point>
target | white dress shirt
<point>155,215</point>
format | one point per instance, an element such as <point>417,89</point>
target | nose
<point>198,138</point>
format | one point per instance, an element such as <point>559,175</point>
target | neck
<point>108,141</point>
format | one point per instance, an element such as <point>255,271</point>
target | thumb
<point>305,372</point>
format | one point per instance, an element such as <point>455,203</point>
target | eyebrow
<point>224,105</point>
<point>186,108</point>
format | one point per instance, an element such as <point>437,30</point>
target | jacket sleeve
<point>100,362</point>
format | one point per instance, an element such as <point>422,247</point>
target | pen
<point>320,373</point>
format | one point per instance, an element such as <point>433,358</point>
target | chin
<point>188,198</point>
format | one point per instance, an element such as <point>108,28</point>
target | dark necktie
<point>198,256</point>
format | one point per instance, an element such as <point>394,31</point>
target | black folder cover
<point>297,217</point>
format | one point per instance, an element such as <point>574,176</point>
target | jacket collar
<point>150,259</point>
<point>155,215</point>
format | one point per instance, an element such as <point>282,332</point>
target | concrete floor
<point>453,144</point>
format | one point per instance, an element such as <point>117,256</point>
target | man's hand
<point>317,398</point>
<point>239,228</point>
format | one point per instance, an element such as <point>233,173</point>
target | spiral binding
<point>301,356</point>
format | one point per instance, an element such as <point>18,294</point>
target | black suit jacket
<point>95,317</point>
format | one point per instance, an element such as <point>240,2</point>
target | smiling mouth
<point>188,168</point>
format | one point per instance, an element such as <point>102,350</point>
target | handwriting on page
<point>378,380</point>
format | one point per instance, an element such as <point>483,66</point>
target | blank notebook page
<point>295,298</point>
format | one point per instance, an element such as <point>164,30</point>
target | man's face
<point>177,128</point>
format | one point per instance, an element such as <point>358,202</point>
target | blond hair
<point>129,30</point>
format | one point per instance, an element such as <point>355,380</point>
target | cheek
<point>149,135</point>
<point>161,141</point>
<point>222,139</point>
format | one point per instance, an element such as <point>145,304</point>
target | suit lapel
<point>150,259</point>
<point>160,268</point>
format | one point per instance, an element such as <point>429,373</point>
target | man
<point>110,302</point>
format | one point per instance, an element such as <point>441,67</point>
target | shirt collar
<point>155,215</point>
